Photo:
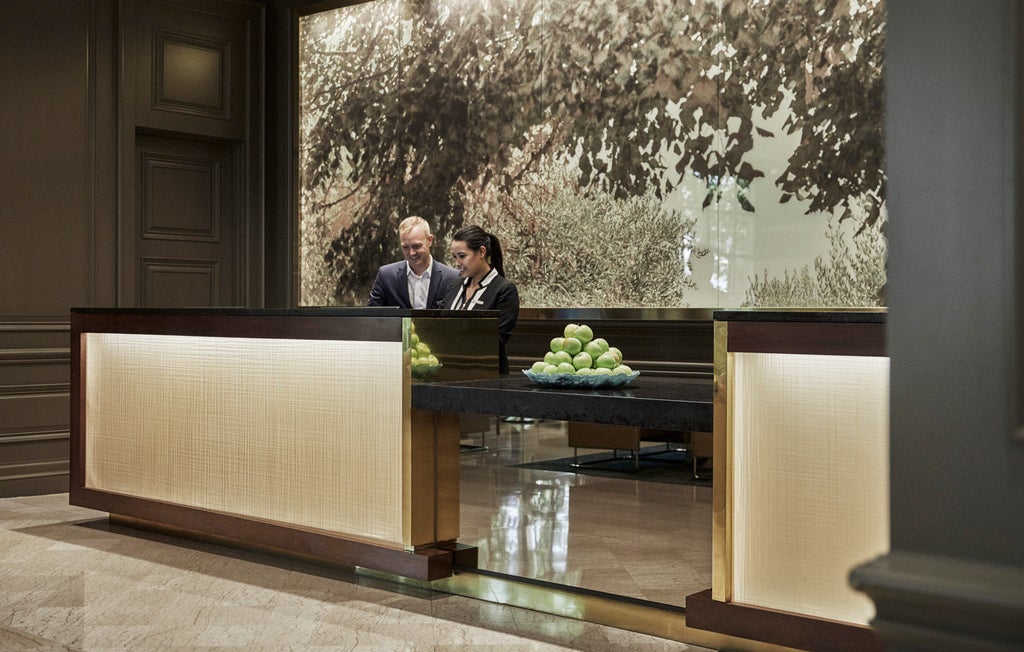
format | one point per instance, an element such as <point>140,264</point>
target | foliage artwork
<point>548,219</point>
<point>844,279</point>
<point>451,109</point>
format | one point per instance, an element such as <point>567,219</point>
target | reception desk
<point>290,431</point>
<point>801,492</point>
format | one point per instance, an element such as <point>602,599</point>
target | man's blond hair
<point>412,222</point>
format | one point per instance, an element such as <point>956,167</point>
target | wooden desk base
<point>778,627</point>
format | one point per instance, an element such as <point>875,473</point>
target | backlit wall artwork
<point>628,153</point>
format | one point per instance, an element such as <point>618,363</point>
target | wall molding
<point>32,326</point>
<point>36,389</point>
<point>31,470</point>
<point>34,356</point>
<point>35,436</point>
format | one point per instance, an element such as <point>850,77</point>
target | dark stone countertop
<point>846,316</point>
<point>647,402</point>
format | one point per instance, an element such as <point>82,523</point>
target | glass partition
<point>650,154</point>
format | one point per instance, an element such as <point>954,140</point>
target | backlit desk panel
<point>285,430</point>
<point>801,469</point>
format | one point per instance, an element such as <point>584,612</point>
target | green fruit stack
<point>419,351</point>
<point>579,353</point>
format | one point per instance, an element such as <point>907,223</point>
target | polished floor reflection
<point>645,540</point>
<point>70,581</point>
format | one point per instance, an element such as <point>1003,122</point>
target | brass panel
<point>602,609</point>
<point>461,349</point>
<point>419,497</point>
<point>447,475</point>
<point>432,492</point>
<point>721,525</point>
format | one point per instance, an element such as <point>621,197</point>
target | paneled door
<point>187,241</point>
<point>190,157</point>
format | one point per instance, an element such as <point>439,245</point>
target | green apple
<point>606,361</point>
<point>538,367</point>
<point>584,333</point>
<point>562,356</point>
<point>549,357</point>
<point>566,368</point>
<point>617,353</point>
<point>557,344</point>
<point>600,341</point>
<point>414,339</point>
<point>584,371</point>
<point>423,349</point>
<point>432,360</point>
<point>570,329</point>
<point>622,369</point>
<point>571,345</point>
<point>551,369</point>
<point>602,371</point>
<point>594,349</point>
<point>581,360</point>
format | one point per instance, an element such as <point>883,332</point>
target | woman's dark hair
<point>475,237</point>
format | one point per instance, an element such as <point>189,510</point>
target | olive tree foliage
<point>844,279</point>
<point>409,101</point>
<point>547,224</point>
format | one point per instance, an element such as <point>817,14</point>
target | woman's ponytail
<point>497,259</point>
<point>475,237</point>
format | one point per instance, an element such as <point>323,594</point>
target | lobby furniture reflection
<point>629,439</point>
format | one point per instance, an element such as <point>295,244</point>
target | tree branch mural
<point>427,106</point>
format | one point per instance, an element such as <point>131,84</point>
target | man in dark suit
<point>419,281</point>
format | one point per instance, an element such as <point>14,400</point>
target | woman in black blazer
<point>483,286</point>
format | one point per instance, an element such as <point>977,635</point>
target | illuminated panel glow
<point>303,432</point>
<point>811,480</point>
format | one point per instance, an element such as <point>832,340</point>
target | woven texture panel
<point>811,480</point>
<point>302,432</point>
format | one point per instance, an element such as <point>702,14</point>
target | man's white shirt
<point>419,286</point>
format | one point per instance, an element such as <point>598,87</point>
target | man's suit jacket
<point>391,287</point>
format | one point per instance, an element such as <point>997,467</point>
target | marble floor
<point>644,540</point>
<point>71,581</point>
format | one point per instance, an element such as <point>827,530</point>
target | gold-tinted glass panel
<point>809,478</point>
<point>303,432</point>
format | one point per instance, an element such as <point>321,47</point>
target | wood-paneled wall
<point>131,166</point>
<point>34,396</point>
<point>56,220</point>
